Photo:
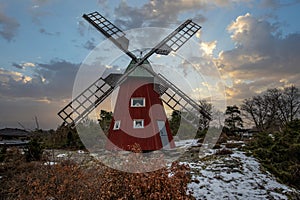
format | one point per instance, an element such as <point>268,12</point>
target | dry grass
<point>70,180</point>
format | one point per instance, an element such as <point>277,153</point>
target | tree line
<point>271,110</point>
<point>274,108</point>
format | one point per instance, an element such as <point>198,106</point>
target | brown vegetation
<point>70,180</point>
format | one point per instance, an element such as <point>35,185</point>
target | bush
<point>224,151</point>
<point>2,153</point>
<point>232,145</point>
<point>69,180</point>
<point>281,155</point>
<point>33,150</point>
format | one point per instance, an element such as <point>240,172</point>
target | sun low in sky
<point>253,45</point>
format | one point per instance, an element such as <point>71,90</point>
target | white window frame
<point>138,98</point>
<point>117,125</point>
<point>135,123</point>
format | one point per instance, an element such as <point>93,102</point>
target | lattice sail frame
<point>179,38</point>
<point>112,32</point>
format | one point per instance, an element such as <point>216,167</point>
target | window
<point>117,125</point>
<point>138,102</point>
<point>138,123</point>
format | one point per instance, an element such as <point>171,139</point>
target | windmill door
<point>163,134</point>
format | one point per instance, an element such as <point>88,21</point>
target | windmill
<point>139,115</point>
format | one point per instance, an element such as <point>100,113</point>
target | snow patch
<point>235,176</point>
<point>62,155</point>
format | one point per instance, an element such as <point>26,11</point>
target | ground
<point>230,176</point>
<point>233,176</point>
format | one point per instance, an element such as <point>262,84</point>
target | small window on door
<point>117,125</point>
<point>138,102</point>
<point>138,123</point>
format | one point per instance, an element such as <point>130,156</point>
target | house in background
<point>14,137</point>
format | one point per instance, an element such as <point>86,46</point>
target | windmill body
<point>139,116</point>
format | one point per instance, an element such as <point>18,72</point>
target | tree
<point>34,150</point>
<point>233,120</point>
<point>274,108</point>
<point>280,154</point>
<point>207,107</point>
<point>184,128</point>
<point>272,100</point>
<point>290,104</point>
<point>175,121</point>
<point>105,119</point>
<point>262,109</point>
<point>255,111</point>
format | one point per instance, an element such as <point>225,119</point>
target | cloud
<point>81,27</point>
<point>28,64</point>
<point>23,65</point>
<point>40,89</point>
<point>163,13</point>
<point>103,3</point>
<point>51,81</point>
<point>37,10</point>
<point>43,31</point>
<point>277,3</point>
<point>208,47</point>
<point>90,44</point>
<point>8,26</point>
<point>261,57</point>
<point>18,66</point>
<point>7,76</point>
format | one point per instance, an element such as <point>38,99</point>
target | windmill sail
<point>178,37</point>
<point>113,33</point>
<point>81,106</point>
<point>176,99</point>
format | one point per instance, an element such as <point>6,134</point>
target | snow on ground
<point>185,143</point>
<point>50,163</point>
<point>235,176</point>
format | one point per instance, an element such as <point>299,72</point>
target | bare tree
<point>204,122</point>
<point>256,109</point>
<point>272,99</point>
<point>273,108</point>
<point>290,104</point>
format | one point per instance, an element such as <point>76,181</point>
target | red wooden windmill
<point>139,116</point>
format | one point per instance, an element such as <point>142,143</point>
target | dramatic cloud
<point>48,81</point>
<point>41,94</point>
<point>263,58</point>
<point>8,26</point>
<point>163,13</point>
<point>6,77</point>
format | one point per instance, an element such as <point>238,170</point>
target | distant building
<point>14,137</point>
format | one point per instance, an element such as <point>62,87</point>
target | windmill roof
<point>13,132</point>
<point>140,71</point>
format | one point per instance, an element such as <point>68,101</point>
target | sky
<point>253,45</point>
